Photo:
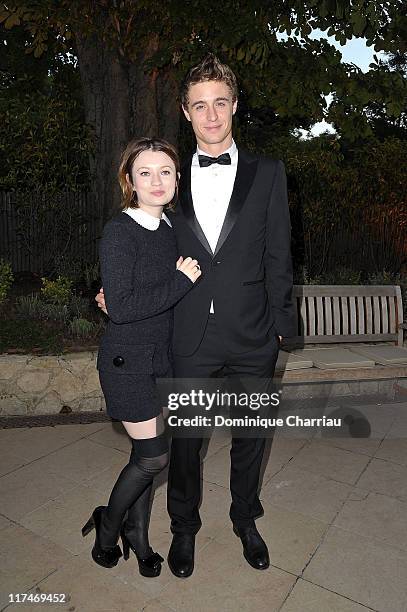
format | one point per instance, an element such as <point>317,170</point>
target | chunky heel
<point>106,557</point>
<point>87,528</point>
<point>126,546</point>
<point>150,566</point>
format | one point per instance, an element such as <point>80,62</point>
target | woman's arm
<point>126,303</point>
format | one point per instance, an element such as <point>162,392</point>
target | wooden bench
<point>348,313</point>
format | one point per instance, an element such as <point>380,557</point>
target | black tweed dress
<point>141,285</point>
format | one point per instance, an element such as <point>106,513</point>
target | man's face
<point>210,111</point>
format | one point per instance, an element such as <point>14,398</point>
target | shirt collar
<point>146,220</point>
<point>232,150</point>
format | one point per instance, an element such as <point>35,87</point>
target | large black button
<point>118,361</point>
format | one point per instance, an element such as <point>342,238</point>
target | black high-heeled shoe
<point>106,557</point>
<point>149,566</point>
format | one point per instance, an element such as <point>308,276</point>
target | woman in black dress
<point>142,281</point>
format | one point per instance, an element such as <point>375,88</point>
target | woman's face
<point>154,179</point>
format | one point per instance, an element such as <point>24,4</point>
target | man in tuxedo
<point>233,218</point>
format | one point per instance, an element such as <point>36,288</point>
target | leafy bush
<point>6,279</point>
<point>91,274</point>
<point>28,306</point>
<point>339,276</point>
<point>33,307</point>
<point>78,306</point>
<point>82,328</point>
<point>29,334</point>
<point>57,291</point>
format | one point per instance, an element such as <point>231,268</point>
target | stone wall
<point>45,384</point>
<point>34,385</point>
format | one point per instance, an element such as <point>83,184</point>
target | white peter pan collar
<point>146,220</point>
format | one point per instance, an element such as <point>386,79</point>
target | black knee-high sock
<point>148,458</point>
<point>137,523</point>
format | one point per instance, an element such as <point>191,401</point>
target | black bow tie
<point>205,161</point>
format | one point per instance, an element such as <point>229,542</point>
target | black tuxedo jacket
<point>249,276</point>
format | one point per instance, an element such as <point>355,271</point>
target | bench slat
<point>392,315</point>
<point>345,315</point>
<point>369,315</point>
<point>328,315</point>
<point>376,314</point>
<point>320,315</point>
<point>311,316</point>
<point>303,314</point>
<point>361,314</point>
<point>352,314</point>
<point>385,315</point>
<point>337,316</point>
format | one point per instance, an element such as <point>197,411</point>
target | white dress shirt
<point>211,189</point>
<point>146,220</point>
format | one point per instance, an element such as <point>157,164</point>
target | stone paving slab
<point>29,443</point>
<point>384,355</point>
<point>331,462</point>
<point>89,588</point>
<point>81,460</point>
<point>378,516</point>
<point>225,583</point>
<point>393,450</point>
<point>292,537</point>
<point>60,520</point>
<point>28,488</point>
<point>361,568</point>
<point>334,522</point>
<point>334,358</point>
<point>25,559</point>
<point>385,477</point>
<point>291,361</point>
<point>310,494</point>
<point>308,597</point>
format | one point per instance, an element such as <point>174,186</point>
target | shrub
<point>6,279</point>
<point>32,307</point>
<point>91,274</point>
<point>78,306</point>
<point>57,291</point>
<point>82,328</point>
<point>28,306</point>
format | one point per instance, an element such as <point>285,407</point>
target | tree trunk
<point>143,93</point>
<point>168,105</point>
<point>122,101</point>
<point>106,100</point>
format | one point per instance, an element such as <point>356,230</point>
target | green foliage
<point>6,279</point>
<point>82,328</point>
<point>339,276</point>
<point>28,335</point>
<point>268,45</point>
<point>57,291</point>
<point>91,273</point>
<point>31,306</point>
<point>44,144</point>
<point>78,306</point>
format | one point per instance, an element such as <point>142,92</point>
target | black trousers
<point>246,454</point>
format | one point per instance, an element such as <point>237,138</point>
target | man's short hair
<point>208,69</point>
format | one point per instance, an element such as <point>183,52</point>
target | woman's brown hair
<point>131,152</point>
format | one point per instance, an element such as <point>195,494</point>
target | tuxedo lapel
<point>245,173</point>
<point>185,200</point>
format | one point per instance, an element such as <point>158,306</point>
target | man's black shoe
<point>254,547</point>
<point>181,554</point>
